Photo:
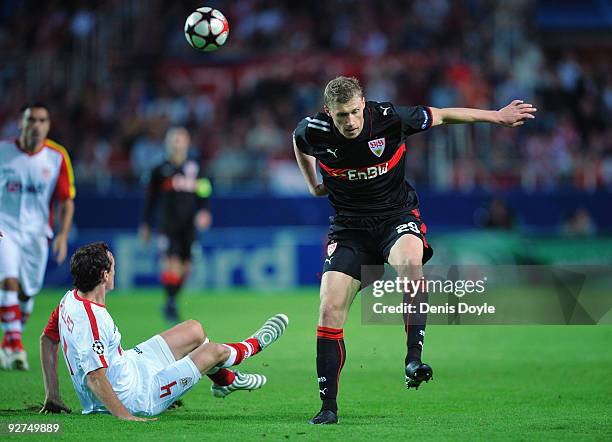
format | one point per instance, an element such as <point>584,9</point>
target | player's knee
<point>410,262</point>
<point>218,352</point>
<point>196,331</point>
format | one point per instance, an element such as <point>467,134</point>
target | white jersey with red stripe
<point>90,340</point>
<point>29,182</point>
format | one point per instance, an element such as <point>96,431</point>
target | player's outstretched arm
<point>48,359</point>
<point>99,385</point>
<point>308,166</point>
<point>513,115</point>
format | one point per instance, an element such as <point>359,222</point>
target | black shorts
<point>367,241</point>
<point>177,243</point>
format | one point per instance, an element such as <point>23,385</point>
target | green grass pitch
<point>502,382</point>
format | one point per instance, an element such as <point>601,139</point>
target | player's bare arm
<point>513,115</point>
<point>60,242</point>
<point>48,358</point>
<point>308,166</point>
<point>99,385</point>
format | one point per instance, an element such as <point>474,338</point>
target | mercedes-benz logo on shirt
<point>98,347</point>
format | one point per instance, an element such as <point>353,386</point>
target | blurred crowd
<point>116,74</point>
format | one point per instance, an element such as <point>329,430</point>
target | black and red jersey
<point>181,190</point>
<point>366,175</point>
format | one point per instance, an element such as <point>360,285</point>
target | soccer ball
<point>206,29</point>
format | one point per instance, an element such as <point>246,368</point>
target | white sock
<point>231,359</point>
<point>9,309</point>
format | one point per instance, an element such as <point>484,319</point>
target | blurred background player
<point>361,150</point>
<point>35,172</point>
<point>182,190</point>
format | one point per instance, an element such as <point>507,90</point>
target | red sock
<point>222,377</point>
<point>241,351</point>
<point>10,317</point>
<point>12,340</point>
<point>169,277</point>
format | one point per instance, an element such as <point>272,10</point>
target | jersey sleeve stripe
<point>314,126</point>
<point>94,328</point>
<point>317,121</point>
<point>59,148</point>
<point>429,123</point>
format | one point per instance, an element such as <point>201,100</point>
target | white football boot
<point>271,330</point>
<point>19,360</point>
<point>242,381</point>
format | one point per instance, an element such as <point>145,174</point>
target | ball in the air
<point>206,29</point>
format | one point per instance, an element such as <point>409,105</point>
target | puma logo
<point>328,260</point>
<point>333,152</point>
<point>323,391</point>
<point>385,110</point>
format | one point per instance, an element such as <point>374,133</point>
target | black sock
<point>415,326</point>
<point>172,282</point>
<point>331,355</point>
<point>171,293</point>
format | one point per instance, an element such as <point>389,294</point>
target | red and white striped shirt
<point>29,183</point>
<point>90,340</point>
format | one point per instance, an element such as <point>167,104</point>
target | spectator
<point>579,223</point>
<point>113,83</point>
<point>497,215</point>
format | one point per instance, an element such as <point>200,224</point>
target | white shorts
<point>24,256</point>
<point>163,378</point>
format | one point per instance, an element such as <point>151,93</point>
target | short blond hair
<point>341,90</point>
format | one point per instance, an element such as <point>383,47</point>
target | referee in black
<point>181,191</point>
